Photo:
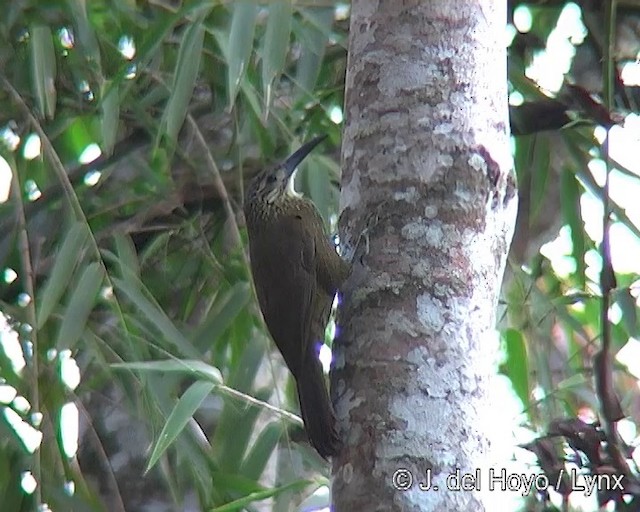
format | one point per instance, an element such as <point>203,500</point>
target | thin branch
<point>109,478</point>
<point>254,401</point>
<point>603,366</point>
<point>29,280</point>
<point>219,185</point>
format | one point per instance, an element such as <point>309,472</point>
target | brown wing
<point>283,267</point>
<point>331,269</point>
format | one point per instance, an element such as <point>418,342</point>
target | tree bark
<point>429,201</point>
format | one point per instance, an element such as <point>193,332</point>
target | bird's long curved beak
<point>294,160</point>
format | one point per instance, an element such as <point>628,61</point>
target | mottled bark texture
<point>427,170</point>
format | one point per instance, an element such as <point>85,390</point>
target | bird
<point>297,272</point>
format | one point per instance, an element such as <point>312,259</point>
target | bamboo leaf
<point>133,289</point>
<point>188,404</point>
<point>80,305</point>
<point>260,453</point>
<point>110,115</point>
<point>241,503</point>
<point>194,368</point>
<point>313,39</point>
<point>243,25</point>
<point>237,431</point>
<point>571,191</point>
<point>575,380</point>
<point>127,257</point>
<point>86,34</point>
<point>222,316</point>
<point>539,169</point>
<point>517,367</point>
<point>60,275</point>
<point>276,46</point>
<point>43,65</point>
<point>152,39</point>
<point>318,183</point>
<point>523,157</point>
<point>237,423</point>
<point>184,77</point>
<point>627,304</point>
<point>236,483</point>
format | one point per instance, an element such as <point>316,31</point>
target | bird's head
<point>273,183</point>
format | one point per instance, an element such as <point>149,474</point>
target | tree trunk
<point>426,170</point>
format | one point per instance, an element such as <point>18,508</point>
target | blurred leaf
<point>160,162</point>
<point>188,404</point>
<point>524,84</point>
<point>237,424</point>
<point>313,35</point>
<point>80,305</point>
<point>588,181</point>
<point>127,257</point>
<point>522,157</point>
<point>237,421</point>
<point>43,66</point>
<point>134,291</point>
<point>110,111</point>
<point>156,248</point>
<point>222,315</point>
<point>276,46</point>
<point>517,365</point>
<point>628,305</point>
<point>184,78</point>
<point>60,274</point>
<point>539,169</point>
<point>86,34</point>
<point>568,318</point>
<point>545,19</point>
<point>77,135</point>
<point>573,381</point>
<point>243,24</point>
<point>260,453</point>
<point>241,503</point>
<point>153,37</point>
<point>318,182</point>
<point>236,483</point>
<point>246,368</point>
<point>571,192</point>
<point>192,368</point>
<point>250,94</point>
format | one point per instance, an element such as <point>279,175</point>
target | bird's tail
<point>317,412</point>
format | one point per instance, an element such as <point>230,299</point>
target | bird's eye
<point>271,178</point>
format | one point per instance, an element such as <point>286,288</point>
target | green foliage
<point>142,277</point>
<point>555,304</point>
